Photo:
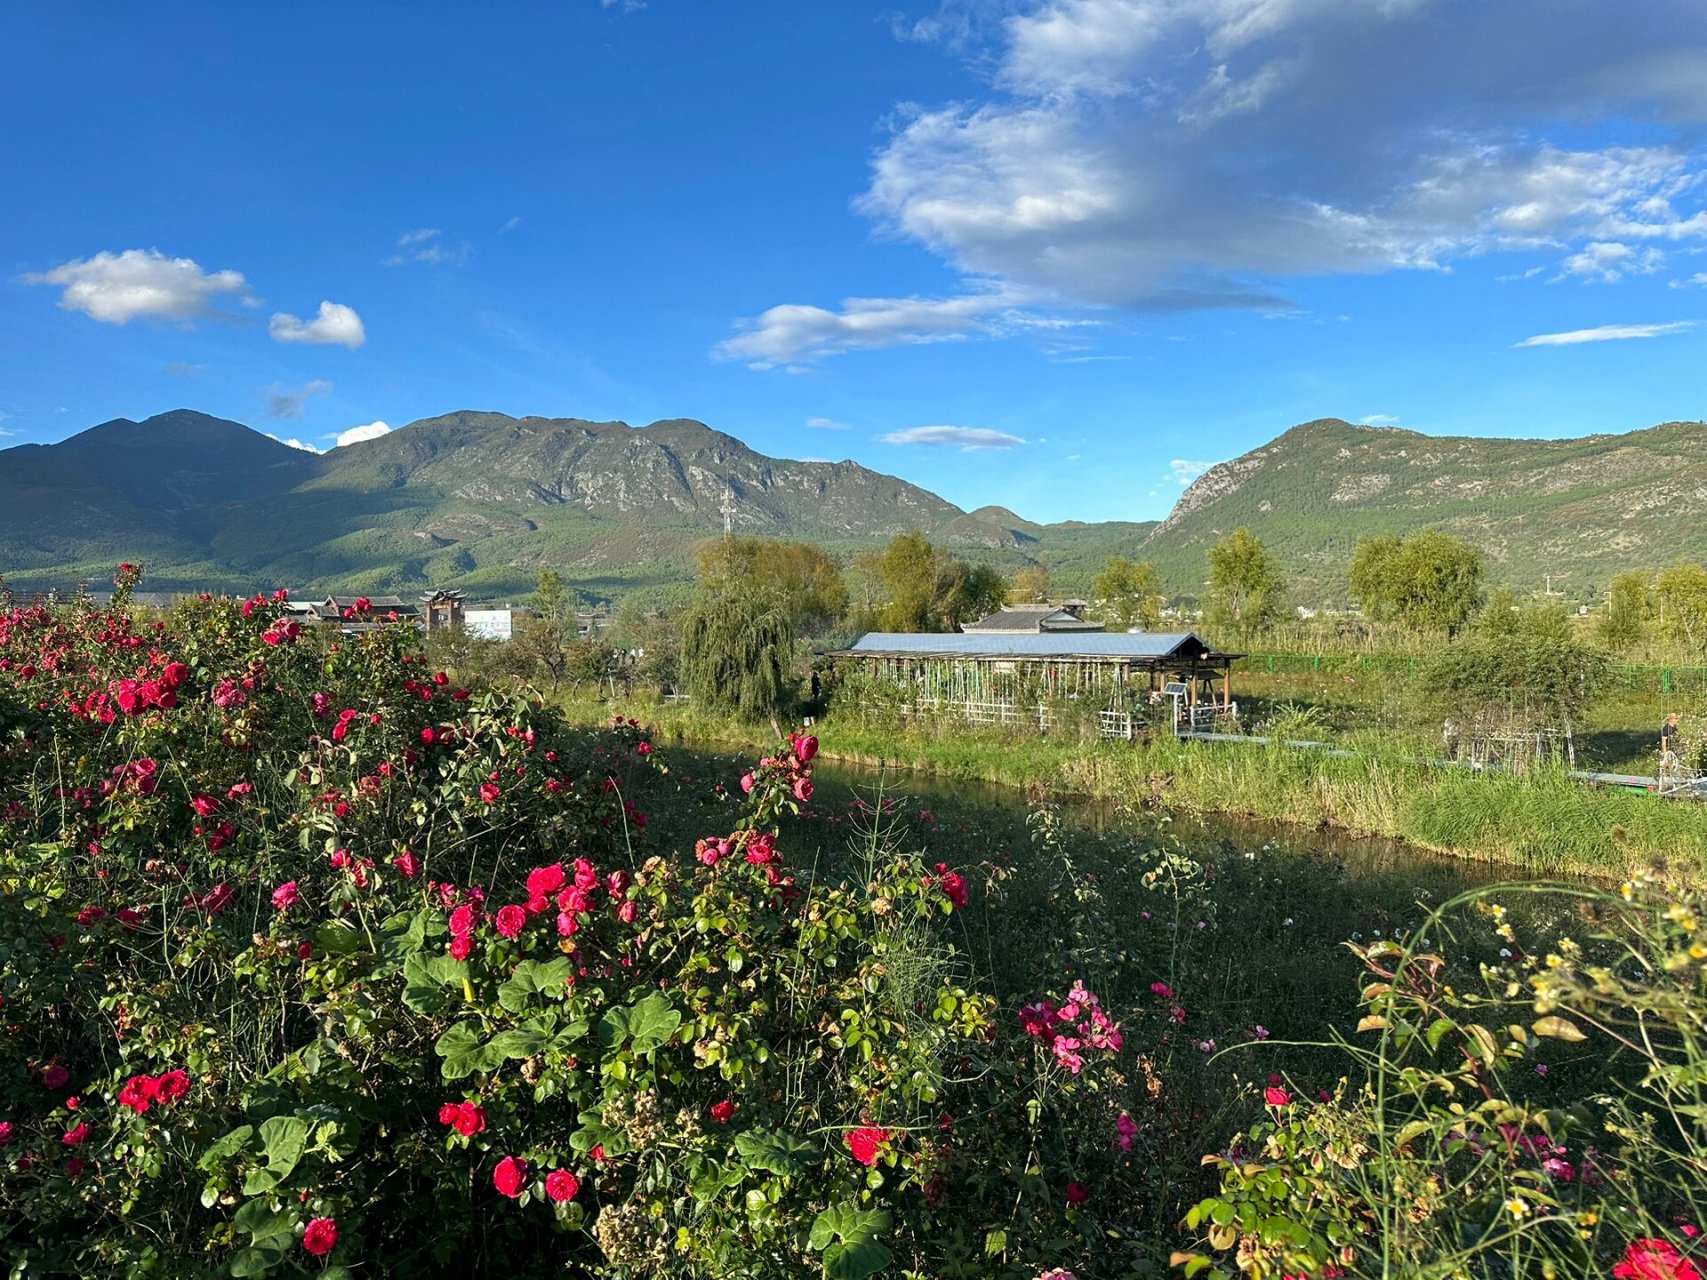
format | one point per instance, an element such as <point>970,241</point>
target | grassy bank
<point>1542,823</point>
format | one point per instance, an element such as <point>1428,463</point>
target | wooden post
<point>1227,689</point>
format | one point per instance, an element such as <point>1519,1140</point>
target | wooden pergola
<point>987,677</point>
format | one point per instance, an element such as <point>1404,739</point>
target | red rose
<point>805,748</point>
<point>511,920</point>
<point>76,1137</point>
<point>723,1112</point>
<point>1275,1096</point>
<point>489,792</point>
<point>172,1086</point>
<point>1076,1194</point>
<point>865,1143</point>
<point>320,1237</point>
<point>561,1185</point>
<point>467,1118</point>
<point>509,1175</point>
<point>139,1093</point>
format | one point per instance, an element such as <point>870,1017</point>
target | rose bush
<point>312,961</point>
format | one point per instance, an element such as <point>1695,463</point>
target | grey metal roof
<point>1126,644</point>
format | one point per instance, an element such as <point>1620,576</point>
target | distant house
<point>492,624</point>
<point>1033,619</point>
<point>161,600</point>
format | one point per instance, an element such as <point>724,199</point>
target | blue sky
<point>1053,254</point>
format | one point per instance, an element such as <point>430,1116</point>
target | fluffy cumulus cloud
<point>1607,262</point>
<point>966,439</point>
<point>335,325</point>
<point>1165,154</point>
<point>1606,333</point>
<point>116,288</point>
<point>285,402</point>
<point>368,431</point>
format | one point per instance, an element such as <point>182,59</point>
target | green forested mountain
<point>483,501</point>
<point>1580,509</point>
<point>476,500</point>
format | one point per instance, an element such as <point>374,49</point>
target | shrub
<point>313,961</point>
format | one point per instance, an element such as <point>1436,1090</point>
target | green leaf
<point>773,1151</point>
<point>523,1042</point>
<point>847,1237</point>
<point>336,938</point>
<point>1438,1030</point>
<point>463,1051</point>
<point>533,977</point>
<point>258,1218</point>
<point>648,1023</point>
<point>229,1145</point>
<point>425,979</point>
<point>259,1259</point>
<point>283,1139</point>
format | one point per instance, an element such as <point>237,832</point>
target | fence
<point>1654,679</point>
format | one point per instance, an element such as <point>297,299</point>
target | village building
<point>443,610</point>
<point>1033,619</point>
<point>1174,679</point>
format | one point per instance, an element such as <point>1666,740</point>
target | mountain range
<point>483,501</point>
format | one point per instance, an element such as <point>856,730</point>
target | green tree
<point>966,592</point>
<point>907,570</point>
<point>551,599</point>
<point>1247,591</point>
<point>738,653</point>
<point>1129,594</point>
<point>1680,596</point>
<point>808,582</point>
<point>1623,620</point>
<point>1521,667</point>
<point>1029,585</point>
<point>1429,581</point>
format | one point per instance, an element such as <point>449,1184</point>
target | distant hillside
<point>1581,509</point>
<point>476,500</point>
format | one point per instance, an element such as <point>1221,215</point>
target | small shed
<point>1004,677</point>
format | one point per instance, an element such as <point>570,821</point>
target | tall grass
<point>1541,822</point>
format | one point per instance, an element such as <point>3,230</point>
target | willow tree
<point>738,653</point>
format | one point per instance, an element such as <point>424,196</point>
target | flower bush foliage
<point>314,962</point>
<point>1544,1115</point>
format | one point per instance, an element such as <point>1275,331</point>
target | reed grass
<point>1543,822</point>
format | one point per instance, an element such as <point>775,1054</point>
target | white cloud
<point>355,435</point>
<point>967,439</point>
<point>1183,472</point>
<point>510,225</point>
<point>1606,262</point>
<point>1699,278</point>
<point>116,288</point>
<point>336,324</point>
<point>793,332</point>
<point>1378,420</point>
<point>827,424</point>
<point>1156,154</point>
<point>1606,333</point>
<point>293,442</point>
<point>285,403</point>
<point>427,244</point>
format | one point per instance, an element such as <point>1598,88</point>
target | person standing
<point>1670,738</point>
